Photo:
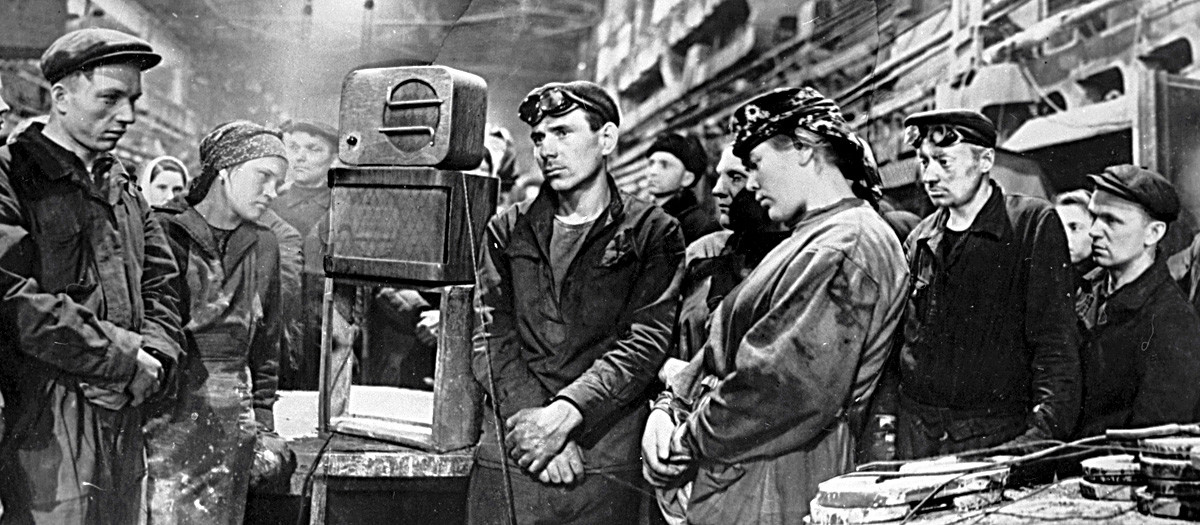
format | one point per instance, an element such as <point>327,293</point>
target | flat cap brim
<point>88,48</point>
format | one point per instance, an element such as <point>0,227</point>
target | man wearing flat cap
<point>303,204</point>
<point>1141,362</point>
<point>676,163</point>
<point>990,351</point>
<point>577,291</point>
<point>90,330</point>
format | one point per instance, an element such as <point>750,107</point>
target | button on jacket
<point>992,326</point>
<point>599,342</point>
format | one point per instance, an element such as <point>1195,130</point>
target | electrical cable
<point>487,355</point>
<point>306,488</point>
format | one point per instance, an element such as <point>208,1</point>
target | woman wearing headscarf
<point>793,352</point>
<point>163,179</point>
<point>201,452</point>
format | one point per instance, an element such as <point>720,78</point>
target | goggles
<point>941,135</point>
<point>554,102</point>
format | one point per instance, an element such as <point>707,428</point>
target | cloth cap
<point>975,127</point>
<point>231,144</point>
<point>1151,191</point>
<point>592,93</point>
<point>687,149</point>
<point>315,129</point>
<point>782,110</point>
<point>87,48</point>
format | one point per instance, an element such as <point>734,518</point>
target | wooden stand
<point>443,420</point>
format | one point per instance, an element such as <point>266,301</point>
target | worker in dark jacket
<point>303,203</point>
<point>1141,363</point>
<point>201,453</point>
<point>90,328</point>
<point>990,349</point>
<point>577,290</point>
<point>676,163</point>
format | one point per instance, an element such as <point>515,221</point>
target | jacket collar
<point>50,161</point>
<point>1135,295</point>
<point>194,225</point>
<point>681,202</point>
<point>992,221</point>
<point>540,217</point>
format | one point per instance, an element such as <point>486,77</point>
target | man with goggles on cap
<point>990,353</point>
<point>578,291</point>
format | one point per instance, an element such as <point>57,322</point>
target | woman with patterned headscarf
<point>202,450</point>
<point>768,408</point>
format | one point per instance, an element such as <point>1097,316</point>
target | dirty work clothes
<point>201,452</point>
<point>796,351</point>
<point>199,458</point>
<point>600,499</point>
<point>91,270</point>
<point>598,343</point>
<point>990,324</point>
<point>695,219</point>
<point>1141,359</point>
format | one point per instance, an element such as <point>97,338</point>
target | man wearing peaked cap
<point>578,289</point>
<point>107,331</point>
<point>989,353</point>
<point>1141,363</point>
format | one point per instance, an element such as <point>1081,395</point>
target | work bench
<point>358,480</point>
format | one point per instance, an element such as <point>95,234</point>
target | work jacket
<point>231,302</point>
<point>1141,359</point>
<point>599,341</point>
<point>88,274</point>
<point>991,328</point>
<point>792,358</point>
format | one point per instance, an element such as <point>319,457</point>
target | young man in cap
<point>1141,363</point>
<point>676,163</point>
<point>990,349</point>
<point>91,330</point>
<point>577,291</point>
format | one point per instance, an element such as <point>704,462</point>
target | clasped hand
<point>663,458</point>
<point>539,435</point>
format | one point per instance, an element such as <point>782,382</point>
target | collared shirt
<point>1141,362</point>
<point>990,323</point>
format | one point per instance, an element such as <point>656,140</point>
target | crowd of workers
<point>729,360</point>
